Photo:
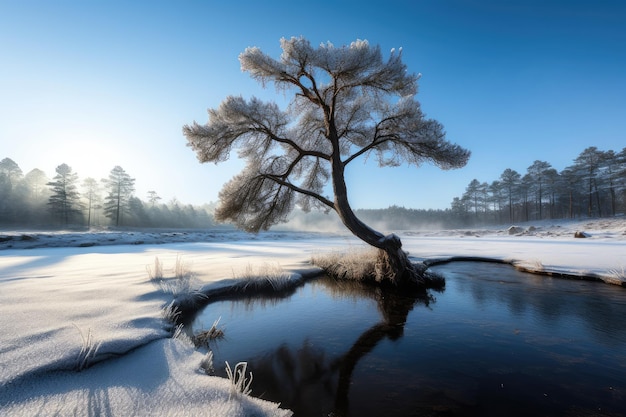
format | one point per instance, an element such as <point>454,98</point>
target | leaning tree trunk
<point>393,263</point>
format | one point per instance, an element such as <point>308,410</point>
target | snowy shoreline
<point>26,239</point>
<point>511,244</point>
<point>602,228</point>
<point>64,292</point>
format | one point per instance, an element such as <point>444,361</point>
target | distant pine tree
<point>121,188</point>
<point>64,202</point>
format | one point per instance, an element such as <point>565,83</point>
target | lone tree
<point>348,103</point>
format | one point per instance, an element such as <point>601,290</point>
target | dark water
<point>496,342</point>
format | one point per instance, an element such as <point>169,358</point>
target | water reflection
<point>553,302</point>
<point>496,342</point>
<point>309,380</point>
<point>394,306</point>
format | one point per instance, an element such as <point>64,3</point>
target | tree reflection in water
<point>499,343</point>
<point>310,383</point>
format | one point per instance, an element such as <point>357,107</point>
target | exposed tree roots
<point>393,265</point>
<point>389,266</point>
<point>396,268</point>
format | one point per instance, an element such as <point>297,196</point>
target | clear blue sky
<point>98,84</point>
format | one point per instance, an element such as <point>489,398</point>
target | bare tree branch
<point>347,102</point>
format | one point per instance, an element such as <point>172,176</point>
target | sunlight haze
<point>100,84</point>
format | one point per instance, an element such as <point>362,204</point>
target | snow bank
<point>55,302</point>
<point>160,379</point>
<point>543,247</point>
<point>79,303</point>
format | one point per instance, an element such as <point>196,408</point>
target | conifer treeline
<point>35,200</point>
<point>593,186</point>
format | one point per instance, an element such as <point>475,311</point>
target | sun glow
<point>92,156</point>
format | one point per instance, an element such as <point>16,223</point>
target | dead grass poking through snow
<point>271,274</point>
<point>88,350</point>
<point>182,282</point>
<point>356,264</point>
<point>617,276</point>
<point>239,383</point>
<point>207,363</point>
<point>170,312</point>
<point>203,337</point>
<point>156,272</point>
<point>180,334</point>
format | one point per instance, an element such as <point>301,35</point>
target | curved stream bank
<point>525,268</point>
<point>496,341</point>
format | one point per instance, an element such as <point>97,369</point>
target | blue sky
<point>98,84</point>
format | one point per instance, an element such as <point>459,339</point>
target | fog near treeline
<point>65,200</point>
<point>27,200</point>
<point>593,186</point>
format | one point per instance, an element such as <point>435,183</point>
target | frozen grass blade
<point>617,276</point>
<point>181,283</point>
<point>179,334</point>
<point>267,273</point>
<point>205,336</point>
<point>238,381</point>
<point>171,312</point>
<point>207,363</point>
<point>88,350</point>
<point>356,264</point>
<point>155,273</point>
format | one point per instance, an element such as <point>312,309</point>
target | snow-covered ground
<point>70,300</point>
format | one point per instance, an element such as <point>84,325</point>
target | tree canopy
<point>348,102</point>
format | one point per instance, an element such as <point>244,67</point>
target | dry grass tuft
<point>88,350</point>
<point>207,363</point>
<point>203,337</point>
<point>180,334</point>
<point>156,272</point>
<point>182,282</point>
<point>238,381</point>
<point>616,276</point>
<point>171,312</point>
<point>267,274</point>
<point>356,264</point>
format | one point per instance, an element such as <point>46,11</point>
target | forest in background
<point>34,200</point>
<point>593,186</point>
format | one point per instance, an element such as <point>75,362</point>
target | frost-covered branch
<point>319,197</point>
<point>347,102</point>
